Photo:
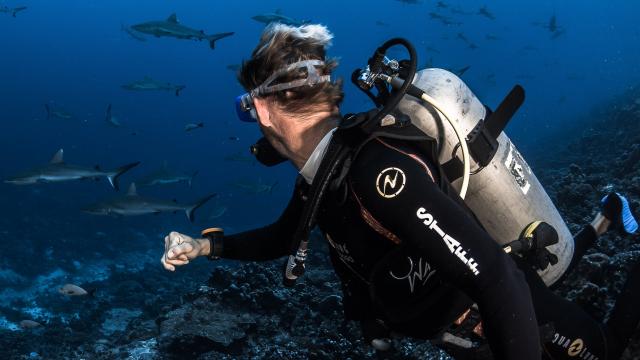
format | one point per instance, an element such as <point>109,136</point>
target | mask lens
<point>244,108</point>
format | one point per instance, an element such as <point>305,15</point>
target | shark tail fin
<point>109,113</point>
<point>46,106</point>
<point>215,37</point>
<point>192,177</point>
<point>179,88</point>
<point>190,211</point>
<point>113,177</point>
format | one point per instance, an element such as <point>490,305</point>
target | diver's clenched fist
<point>178,250</point>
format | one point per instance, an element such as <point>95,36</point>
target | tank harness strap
<point>483,138</point>
<point>339,149</point>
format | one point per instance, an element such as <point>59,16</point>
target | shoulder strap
<point>336,152</point>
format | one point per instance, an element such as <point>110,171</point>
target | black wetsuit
<point>413,255</point>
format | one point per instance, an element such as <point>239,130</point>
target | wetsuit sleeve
<point>398,190</point>
<point>269,242</point>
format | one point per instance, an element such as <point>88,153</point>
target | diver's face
<point>272,126</point>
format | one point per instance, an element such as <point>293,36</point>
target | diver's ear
<point>262,109</point>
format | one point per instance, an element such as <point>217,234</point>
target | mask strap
<point>313,78</point>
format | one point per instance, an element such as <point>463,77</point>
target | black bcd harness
<point>356,130</point>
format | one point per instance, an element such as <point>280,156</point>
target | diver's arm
<point>266,243</point>
<point>451,241</point>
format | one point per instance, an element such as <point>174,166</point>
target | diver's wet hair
<point>281,45</point>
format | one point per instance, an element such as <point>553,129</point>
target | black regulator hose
<point>375,63</point>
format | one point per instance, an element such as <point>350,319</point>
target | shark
<point>165,176</point>
<point>171,27</point>
<point>191,127</point>
<point>12,11</point>
<point>461,71</point>
<point>148,84</point>
<point>553,27</point>
<point>277,16</point>
<point>57,113</point>
<point>484,11</point>
<point>133,204</point>
<point>58,171</point>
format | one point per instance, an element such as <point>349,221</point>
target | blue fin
<point>629,223</point>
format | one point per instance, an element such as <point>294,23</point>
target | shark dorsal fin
<point>172,18</point>
<point>132,190</point>
<point>58,158</point>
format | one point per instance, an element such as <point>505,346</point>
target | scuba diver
<point>413,257</point>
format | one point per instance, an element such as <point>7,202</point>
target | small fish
<point>381,23</point>
<point>234,67</point>
<point>442,5</point>
<point>29,324</point>
<point>491,37</point>
<point>74,290</point>
<point>234,138</point>
<point>409,1</point>
<point>190,127</point>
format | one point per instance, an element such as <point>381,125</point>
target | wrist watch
<point>216,241</point>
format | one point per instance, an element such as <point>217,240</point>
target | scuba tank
<point>478,158</point>
<point>503,193</point>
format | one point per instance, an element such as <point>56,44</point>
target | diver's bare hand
<point>179,249</point>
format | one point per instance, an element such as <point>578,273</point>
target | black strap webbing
<point>498,120</point>
<point>332,159</point>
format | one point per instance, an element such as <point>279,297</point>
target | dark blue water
<point>73,55</point>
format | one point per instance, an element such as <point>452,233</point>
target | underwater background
<point>578,62</point>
